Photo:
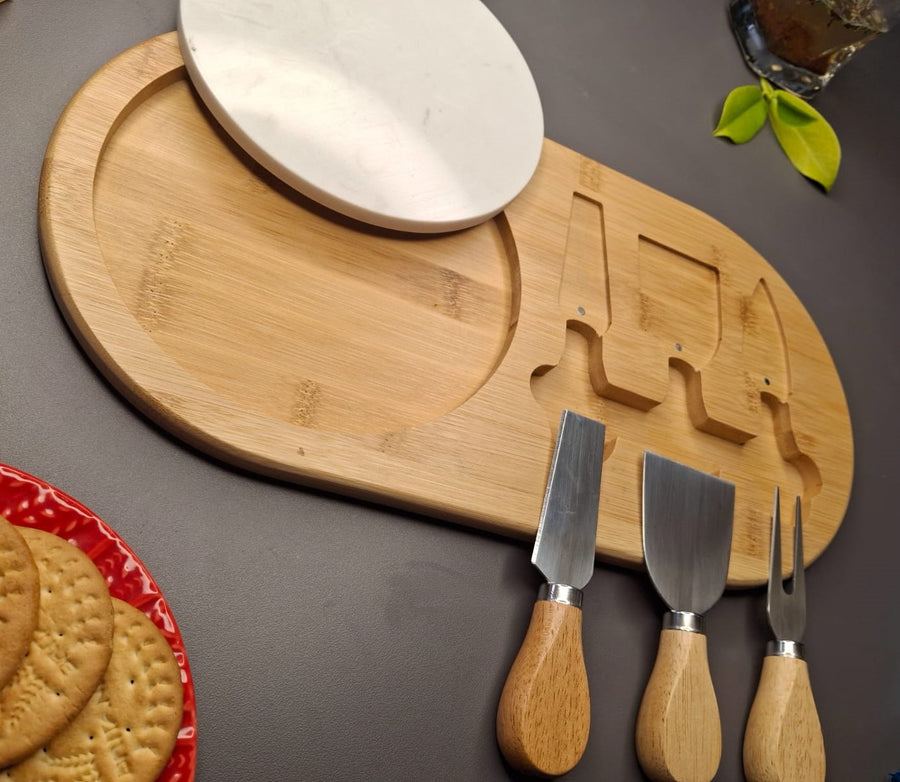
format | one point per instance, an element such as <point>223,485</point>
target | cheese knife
<point>687,523</point>
<point>543,718</point>
<point>783,739</point>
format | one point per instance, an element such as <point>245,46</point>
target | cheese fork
<point>783,739</point>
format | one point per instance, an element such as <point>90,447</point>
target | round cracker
<point>69,650</point>
<point>128,729</point>
<point>19,596</point>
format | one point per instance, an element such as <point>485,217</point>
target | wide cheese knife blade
<point>543,719</point>
<point>687,522</point>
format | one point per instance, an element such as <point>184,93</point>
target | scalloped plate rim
<point>181,766</point>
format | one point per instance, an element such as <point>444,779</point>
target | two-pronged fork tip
<point>787,608</point>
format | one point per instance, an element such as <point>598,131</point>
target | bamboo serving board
<point>428,372</point>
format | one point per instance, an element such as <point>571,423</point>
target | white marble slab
<point>414,115</point>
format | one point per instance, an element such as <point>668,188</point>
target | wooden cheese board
<point>427,372</point>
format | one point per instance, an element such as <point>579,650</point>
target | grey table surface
<point>334,640</point>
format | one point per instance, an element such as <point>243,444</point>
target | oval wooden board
<point>428,373</point>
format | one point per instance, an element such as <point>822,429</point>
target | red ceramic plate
<point>29,502</point>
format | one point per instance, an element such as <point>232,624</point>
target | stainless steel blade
<point>567,535</point>
<point>687,522</point>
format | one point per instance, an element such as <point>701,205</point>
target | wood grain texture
<point>428,372</point>
<point>783,739</point>
<point>678,735</point>
<point>544,715</point>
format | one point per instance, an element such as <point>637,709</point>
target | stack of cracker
<point>89,687</point>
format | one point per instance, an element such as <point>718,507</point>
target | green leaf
<point>743,114</point>
<point>805,136</point>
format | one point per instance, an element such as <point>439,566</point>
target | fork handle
<point>783,739</point>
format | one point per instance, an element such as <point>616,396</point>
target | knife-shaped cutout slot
<point>664,303</point>
<point>680,302</point>
<point>584,283</point>
<point>727,394</point>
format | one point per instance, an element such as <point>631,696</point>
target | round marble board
<point>419,117</point>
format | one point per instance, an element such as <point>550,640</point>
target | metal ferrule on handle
<point>784,649</point>
<point>683,620</point>
<point>561,593</point>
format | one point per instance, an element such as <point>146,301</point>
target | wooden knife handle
<point>783,739</point>
<point>544,715</point>
<point>678,736</point>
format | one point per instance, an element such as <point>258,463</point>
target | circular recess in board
<point>407,115</point>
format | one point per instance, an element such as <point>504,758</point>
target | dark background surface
<point>332,640</point>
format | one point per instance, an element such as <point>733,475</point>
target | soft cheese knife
<point>687,521</point>
<point>783,740</point>
<point>543,718</point>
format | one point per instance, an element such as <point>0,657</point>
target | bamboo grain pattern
<point>678,734</point>
<point>544,714</point>
<point>783,740</point>
<point>428,372</point>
